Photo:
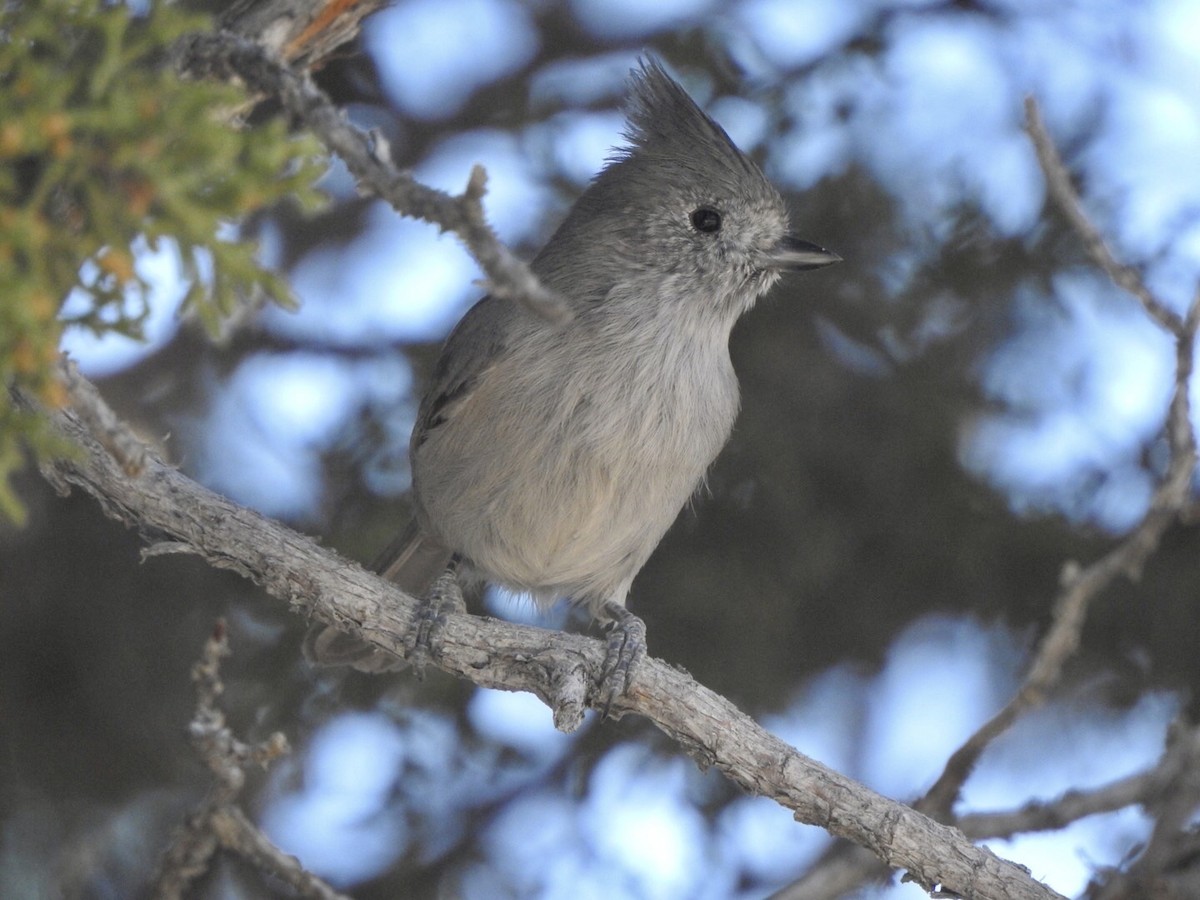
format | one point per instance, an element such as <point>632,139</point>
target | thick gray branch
<point>315,581</point>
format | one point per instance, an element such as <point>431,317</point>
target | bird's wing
<point>472,348</point>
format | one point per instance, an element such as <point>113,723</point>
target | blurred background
<point>929,431</point>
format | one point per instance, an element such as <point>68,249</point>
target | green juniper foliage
<point>101,145</point>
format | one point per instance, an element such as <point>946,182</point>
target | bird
<point>551,458</point>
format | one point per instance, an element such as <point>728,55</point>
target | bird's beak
<point>794,255</point>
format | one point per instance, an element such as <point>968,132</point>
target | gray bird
<point>552,458</point>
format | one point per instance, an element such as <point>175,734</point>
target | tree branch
<point>226,55</point>
<point>842,868</point>
<point>1062,191</point>
<point>1081,585</point>
<point>847,867</point>
<point>560,668</point>
<point>1173,842</point>
<point>218,823</point>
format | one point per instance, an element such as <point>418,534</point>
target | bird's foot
<point>439,602</point>
<point>625,650</point>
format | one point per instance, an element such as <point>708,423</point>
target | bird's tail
<point>412,562</point>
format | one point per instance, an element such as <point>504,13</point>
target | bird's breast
<point>563,471</point>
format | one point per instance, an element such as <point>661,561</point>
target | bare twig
<point>1174,805</point>
<point>1151,788</point>
<point>1051,815</point>
<point>1175,877</point>
<point>238,833</point>
<point>218,823</point>
<point>843,868</point>
<point>1081,585</point>
<point>1058,181</point>
<point>313,579</point>
<point>846,867</point>
<point>226,55</point>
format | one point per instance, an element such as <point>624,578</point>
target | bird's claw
<point>443,599</point>
<point>626,648</point>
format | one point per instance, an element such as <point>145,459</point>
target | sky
<point>935,117</point>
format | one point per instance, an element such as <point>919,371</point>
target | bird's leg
<point>626,649</point>
<point>442,599</point>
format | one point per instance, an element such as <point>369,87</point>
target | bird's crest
<point>664,121</point>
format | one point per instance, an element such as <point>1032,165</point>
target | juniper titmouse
<point>551,458</point>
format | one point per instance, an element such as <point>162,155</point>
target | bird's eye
<point>706,219</point>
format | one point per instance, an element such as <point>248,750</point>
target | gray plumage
<point>551,459</point>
